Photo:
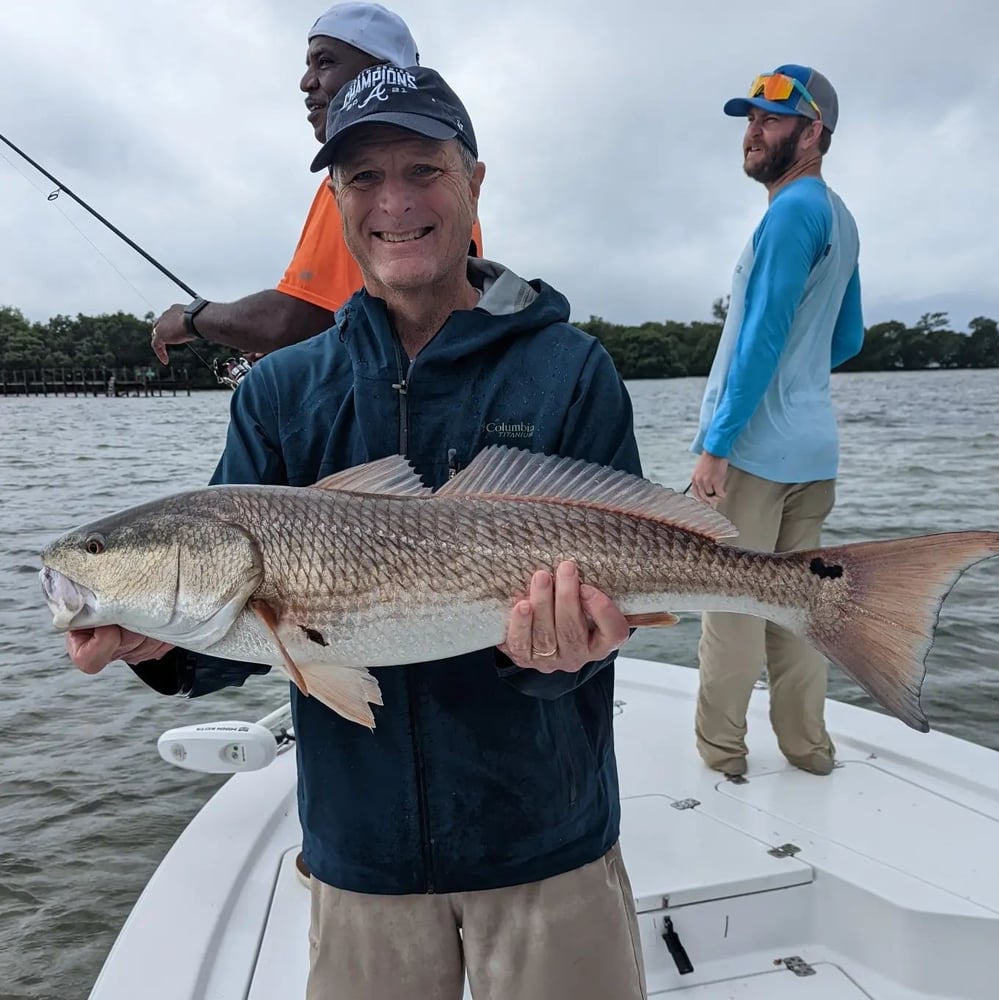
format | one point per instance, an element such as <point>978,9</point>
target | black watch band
<point>190,311</point>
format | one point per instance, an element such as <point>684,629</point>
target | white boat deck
<point>879,881</point>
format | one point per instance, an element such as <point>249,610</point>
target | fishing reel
<point>232,371</point>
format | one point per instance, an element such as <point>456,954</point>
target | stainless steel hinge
<point>685,804</point>
<point>797,965</point>
<point>784,851</point>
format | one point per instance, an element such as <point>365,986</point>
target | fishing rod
<point>229,372</point>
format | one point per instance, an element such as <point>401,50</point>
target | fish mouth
<point>67,601</point>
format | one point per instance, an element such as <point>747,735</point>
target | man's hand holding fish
<point>562,624</point>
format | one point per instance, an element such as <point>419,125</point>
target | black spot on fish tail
<point>314,636</point>
<point>823,571</point>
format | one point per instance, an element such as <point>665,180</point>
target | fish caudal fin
<point>348,691</point>
<point>876,620</point>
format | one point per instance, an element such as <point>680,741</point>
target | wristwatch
<point>190,311</point>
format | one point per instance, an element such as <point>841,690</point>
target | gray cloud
<point>612,172</point>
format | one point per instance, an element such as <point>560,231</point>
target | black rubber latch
<point>675,947</point>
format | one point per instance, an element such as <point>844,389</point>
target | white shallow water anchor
<point>219,747</point>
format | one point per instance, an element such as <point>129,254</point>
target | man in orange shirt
<point>322,275</point>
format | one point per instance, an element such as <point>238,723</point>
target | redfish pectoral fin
<point>348,691</point>
<point>266,614</point>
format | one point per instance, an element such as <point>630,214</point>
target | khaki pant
<point>569,937</point>
<point>771,517</point>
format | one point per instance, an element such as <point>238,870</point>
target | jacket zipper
<point>421,790</point>
<point>402,387</point>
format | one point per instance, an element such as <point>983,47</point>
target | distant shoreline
<point>119,342</point>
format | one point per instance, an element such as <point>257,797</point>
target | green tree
<point>929,322</point>
<point>882,350</point>
<point>21,343</point>
<point>945,347</point>
<point>914,349</point>
<point>981,347</point>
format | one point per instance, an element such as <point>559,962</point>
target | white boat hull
<point>887,885</point>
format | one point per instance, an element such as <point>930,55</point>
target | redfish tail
<point>877,617</point>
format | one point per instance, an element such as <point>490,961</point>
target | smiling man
<point>343,41</point>
<point>475,830</point>
<point>407,201</point>
<point>767,438</point>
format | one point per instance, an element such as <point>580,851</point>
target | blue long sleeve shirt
<point>794,315</point>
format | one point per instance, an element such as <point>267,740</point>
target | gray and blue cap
<point>811,95</point>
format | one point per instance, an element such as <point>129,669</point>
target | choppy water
<point>86,807</point>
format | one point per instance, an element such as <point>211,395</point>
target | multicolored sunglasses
<point>779,87</point>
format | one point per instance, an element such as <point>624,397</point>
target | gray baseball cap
<point>371,28</point>
<point>810,85</point>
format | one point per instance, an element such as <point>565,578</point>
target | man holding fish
<point>477,811</point>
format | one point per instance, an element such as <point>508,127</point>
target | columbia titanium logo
<point>510,430</point>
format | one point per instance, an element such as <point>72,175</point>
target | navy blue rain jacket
<point>478,774</point>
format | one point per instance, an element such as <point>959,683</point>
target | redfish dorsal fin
<point>501,473</point>
<point>392,476</point>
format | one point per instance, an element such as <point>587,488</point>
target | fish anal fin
<point>655,619</point>
<point>392,476</point>
<point>266,614</point>
<point>502,473</point>
<point>348,691</point>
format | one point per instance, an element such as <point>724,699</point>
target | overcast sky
<point>611,171</point>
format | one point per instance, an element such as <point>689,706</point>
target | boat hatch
<point>825,982</point>
<point>677,855</point>
<point>890,820</point>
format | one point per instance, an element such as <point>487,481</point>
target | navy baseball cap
<point>415,98</point>
<point>790,90</point>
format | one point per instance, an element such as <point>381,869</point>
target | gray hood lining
<point>503,291</point>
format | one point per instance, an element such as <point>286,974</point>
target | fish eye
<point>94,544</point>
